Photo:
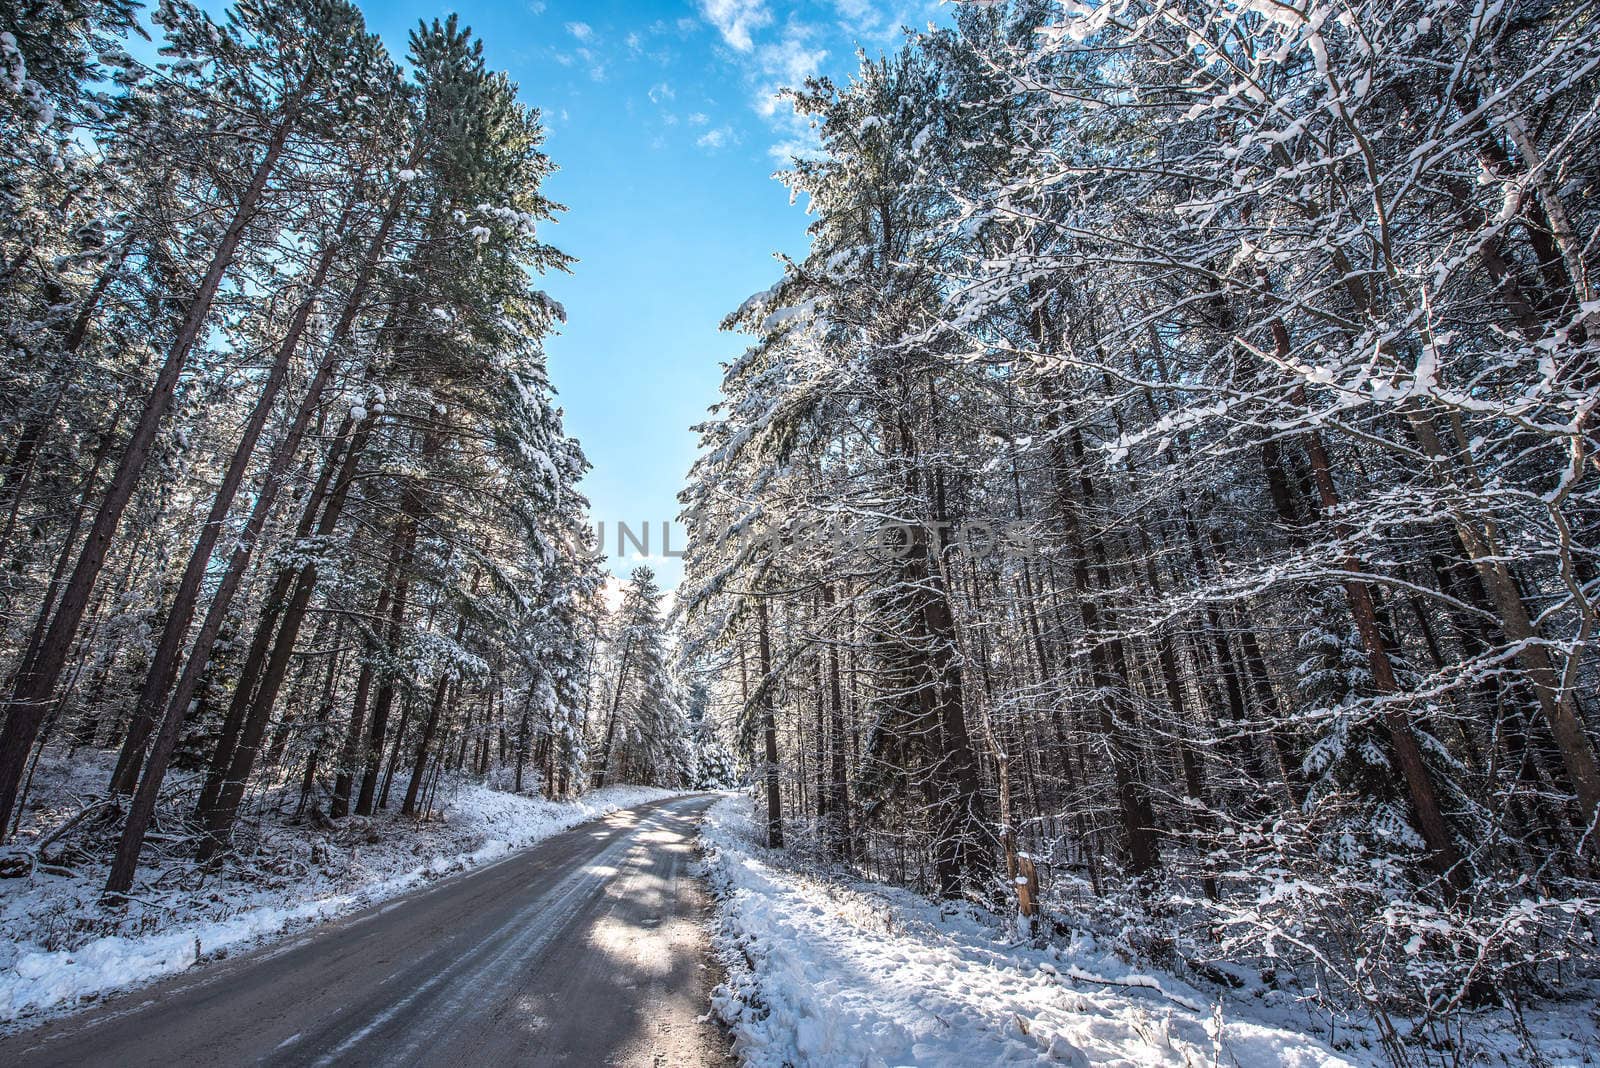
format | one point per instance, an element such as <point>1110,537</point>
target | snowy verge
<point>824,972</point>
<point>52,958</point>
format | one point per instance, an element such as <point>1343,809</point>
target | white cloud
<point>878,22</point>
<point>536,7</point>
<point>788,63</point>
<point>766,103</point>
<point>595,62</point>
<point>698,118</point>
<point>581,30</point>
<point>862,16</point>
<point>734,19</point>
<point>683,27</point>
<point>785,152</point>
<point>776,54</point>
<point>661,91</point>
<point>714,139</point>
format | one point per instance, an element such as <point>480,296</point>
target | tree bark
<point>603,767</point>
<point>769,731</point>
<point>1442,852</point>
<point>407,534</point>
<point>838,771</point>
<point>31,695</point>
<point>219,818</point>
<point>429,727</point>
<point>164,662</point>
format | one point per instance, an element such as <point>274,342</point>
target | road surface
<point>587,949</point>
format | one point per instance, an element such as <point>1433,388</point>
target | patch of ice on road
<point>823,972</point>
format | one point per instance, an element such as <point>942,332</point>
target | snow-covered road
<point>586,949</point>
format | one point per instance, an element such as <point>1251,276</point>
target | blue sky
<point>662,119</point>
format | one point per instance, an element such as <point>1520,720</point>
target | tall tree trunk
<point>603,767</point>
<point>522,744</point>
<point>219,818</point>
<point>68,541</point>
<point>31,695</point>
<point>266,497</point>
<point>393,763</point>
<point>385,701</point>
<point>1442,852</point>
<point>769,731</point>
<point>164,662</point>
<point>1443,855</point>
<point>1134,806</point>
<point>271,612</point>
<point>838,771</point>
<point>429,727</point>
<point>1557,702</point>
<point>350,755</point>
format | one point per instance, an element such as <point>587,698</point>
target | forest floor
<point>61,948</point>
<point>823,969</point>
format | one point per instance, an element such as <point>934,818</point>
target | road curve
<point>587,949</point>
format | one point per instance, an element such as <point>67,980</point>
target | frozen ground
<point>59,947</point>
<point>827,972</point>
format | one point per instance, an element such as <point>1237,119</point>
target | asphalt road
<point>587,949</point>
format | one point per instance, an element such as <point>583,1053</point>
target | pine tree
<point>645,736</point>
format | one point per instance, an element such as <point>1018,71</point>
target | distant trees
<point>715,765</point>
<point>286,496</point>
<point>645,735</point>
<point>1174,459</point>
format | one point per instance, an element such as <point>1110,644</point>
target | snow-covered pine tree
<point>1218,308</point>
<point>643,736</point>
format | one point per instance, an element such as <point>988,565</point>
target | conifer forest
<point>1140,576</point>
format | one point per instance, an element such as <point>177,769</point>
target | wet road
<point>587,949</point>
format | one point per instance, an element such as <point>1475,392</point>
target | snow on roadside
<point>53,959</point>
<point>824,973</point>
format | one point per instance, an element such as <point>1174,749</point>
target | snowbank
<point>53,955</point>
<point>824,973</point>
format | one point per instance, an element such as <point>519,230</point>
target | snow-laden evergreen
<point>1161,502</point>
<point>644,734</point>
<point>288,504</point>
<point>1167,485</point>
